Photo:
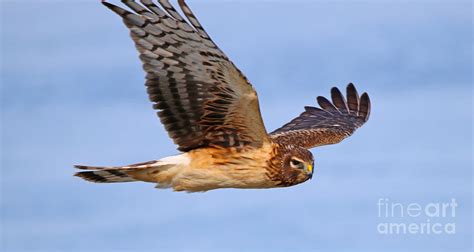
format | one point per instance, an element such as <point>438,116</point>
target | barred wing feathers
<point>202,98</point>
<point>329,124</point>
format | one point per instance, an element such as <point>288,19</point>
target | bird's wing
<point>202,98</point>
<point>329,124</point>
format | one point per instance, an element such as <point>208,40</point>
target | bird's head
<point>298,166</point>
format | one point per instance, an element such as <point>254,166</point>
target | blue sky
<point>72,93</point>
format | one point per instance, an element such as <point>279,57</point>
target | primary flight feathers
<point>202,97</point>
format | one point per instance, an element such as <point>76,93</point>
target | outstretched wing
<point>202,98</point>
<point>329,124</point>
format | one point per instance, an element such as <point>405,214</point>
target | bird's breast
<point>212,168</point>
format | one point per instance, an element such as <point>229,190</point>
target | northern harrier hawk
<point>211,112</point>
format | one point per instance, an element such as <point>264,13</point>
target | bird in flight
<point>211,111</point>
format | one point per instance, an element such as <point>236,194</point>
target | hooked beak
<point>310,170</point>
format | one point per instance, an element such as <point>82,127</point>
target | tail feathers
<point>105,176</point>
<point>99,174</point>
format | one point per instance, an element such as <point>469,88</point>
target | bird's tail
<point>115,174</point>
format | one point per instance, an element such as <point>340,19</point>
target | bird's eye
<point>296,164</point>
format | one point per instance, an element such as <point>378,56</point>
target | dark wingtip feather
<point>352,98</point>
<point>364,107</point>
<point>326,104</point>
<point>136,7</point>
<point>121,12</point>
<point>338,100</point>
<point>312,109</point>
<point>81,167</point>
<point>113,7</point>
<point>109,5</point>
